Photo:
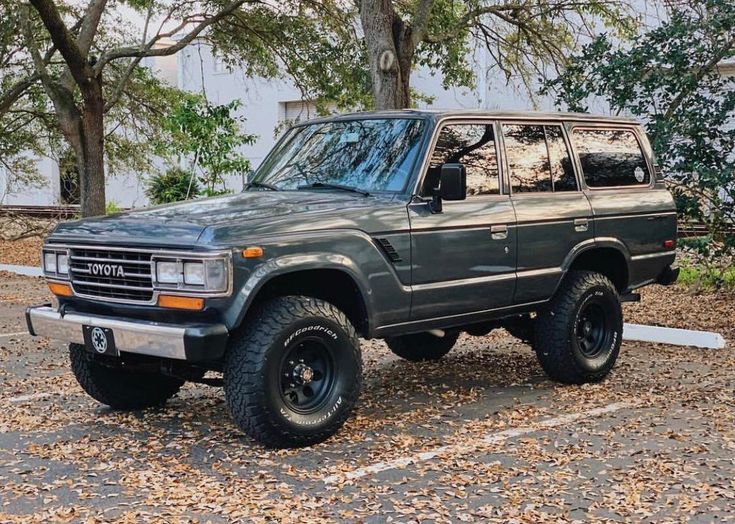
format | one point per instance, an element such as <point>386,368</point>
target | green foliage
<point>112,208</point>
<point>172,186</point>
<point>669,79</point>
<point>208,136</point>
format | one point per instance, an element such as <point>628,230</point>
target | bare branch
<point>147,50</point>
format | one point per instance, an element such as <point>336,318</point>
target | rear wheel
<point>578,336</point>
<point>292,374</point>
<point>118,387</point>
<point>422,346</point>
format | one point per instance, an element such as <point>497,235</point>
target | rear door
<point>628,203</point>
<point>552,213</point>
<point>463,258</point>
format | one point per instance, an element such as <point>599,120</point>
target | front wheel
<point>293,372</point>
<point>578,336</point>
<point>117,386</point>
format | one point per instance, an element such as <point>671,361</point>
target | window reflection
<point>528,158</point>
<point>562,170</point>
<point>472,145</point>
<point>610,157</point>
<point>371,154</point>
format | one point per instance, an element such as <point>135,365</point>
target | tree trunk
<point>91,164</point>
<point>390,53</point>
<point>84,130</point>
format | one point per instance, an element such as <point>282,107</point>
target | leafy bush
<point>174,185</point>
<point>112,207</point>
<point>669,78</point>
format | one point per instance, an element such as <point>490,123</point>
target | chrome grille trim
<point>141,288</point>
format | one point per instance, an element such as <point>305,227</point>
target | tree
<point>208,136</point>
<point>523,38</point>
<point>85,70</point>
<point>669,78</point>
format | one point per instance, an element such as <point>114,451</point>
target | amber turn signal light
<point>252,252</point>
<point>175,302</point>
<point>60,290</point>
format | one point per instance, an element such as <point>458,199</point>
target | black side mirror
<point>452,185</point>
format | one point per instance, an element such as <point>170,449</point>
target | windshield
<point>370,155</point>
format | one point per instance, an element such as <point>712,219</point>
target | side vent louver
<point>389,250</point>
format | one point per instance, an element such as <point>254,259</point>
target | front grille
<point>113,275</point>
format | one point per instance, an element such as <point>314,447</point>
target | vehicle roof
<point>436,114</point>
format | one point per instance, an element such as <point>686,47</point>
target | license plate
<point>100,340</point>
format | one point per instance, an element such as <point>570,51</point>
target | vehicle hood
<point>212,220</point>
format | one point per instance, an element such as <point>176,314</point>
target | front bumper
<point>194,343</point>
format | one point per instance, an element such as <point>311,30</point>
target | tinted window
<point>528,158</point>
<point>562,171</point>
<point>472,145</point>
<point>610,157</point>
<point>538,158</point>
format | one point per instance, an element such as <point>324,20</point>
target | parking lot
<point>481,435</point>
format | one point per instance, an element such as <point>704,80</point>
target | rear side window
<point>538,158</point>
<point>611,157</point>
<point>472,145</point>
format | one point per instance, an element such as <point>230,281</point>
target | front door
<point>463,259</point>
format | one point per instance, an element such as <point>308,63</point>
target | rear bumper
<point>194,343</point>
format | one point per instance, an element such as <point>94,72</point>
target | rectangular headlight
<point>62,264</point>
<point>194,273</point>
<point>216,275</point>
<point>49,262</point>
<point>167,272</point>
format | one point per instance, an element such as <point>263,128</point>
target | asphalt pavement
<point>481,435</point>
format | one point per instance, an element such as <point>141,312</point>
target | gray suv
<point>409,226</point>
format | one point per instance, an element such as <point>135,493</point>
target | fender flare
<point>287,264</point>
<point>588,245</point>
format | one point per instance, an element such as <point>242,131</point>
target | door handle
<point>581,225</point>
<point>499,232</point>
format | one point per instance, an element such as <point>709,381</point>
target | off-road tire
<point>557,344</point>
<point>422,346</point>
<point>254,363</point>
<point>118,387</point>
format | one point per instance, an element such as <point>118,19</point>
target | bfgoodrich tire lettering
<point>293,372</point>
<point>118,387</point>
<point>578,336</point>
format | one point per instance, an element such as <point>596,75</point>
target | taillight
<point>669,244</point>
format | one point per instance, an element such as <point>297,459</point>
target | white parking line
<point>18,334</point>
<point>483,441</point>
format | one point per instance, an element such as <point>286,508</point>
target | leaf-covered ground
<point>665,453</point>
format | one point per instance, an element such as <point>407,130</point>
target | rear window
<point>611,157</point>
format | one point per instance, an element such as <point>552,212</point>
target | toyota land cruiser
<point>409,226</point>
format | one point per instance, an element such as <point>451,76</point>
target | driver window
<point>472,145</point>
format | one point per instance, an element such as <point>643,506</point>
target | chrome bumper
<point>181,342</point>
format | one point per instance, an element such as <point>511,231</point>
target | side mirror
<point>452,185</point>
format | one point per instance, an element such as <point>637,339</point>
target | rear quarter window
<point>611,157</point>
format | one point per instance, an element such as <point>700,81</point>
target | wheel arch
<point>330,280</point>
<point>609,257</point>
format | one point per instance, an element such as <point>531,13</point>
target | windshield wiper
<point>327,185</point>
<point>265,185</point>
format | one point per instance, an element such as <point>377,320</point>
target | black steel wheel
<point>292,372</point>
<point>592,330</point>
<point>307,375</point>
<point>578,335</point>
